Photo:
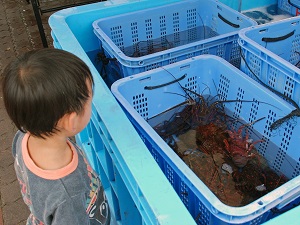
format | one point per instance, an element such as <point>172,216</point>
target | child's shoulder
<point>17,141</point>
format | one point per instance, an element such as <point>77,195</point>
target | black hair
<point>42,86</point>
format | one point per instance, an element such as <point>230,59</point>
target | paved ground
<point>18,34</point>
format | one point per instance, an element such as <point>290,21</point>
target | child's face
<point>84,117</point>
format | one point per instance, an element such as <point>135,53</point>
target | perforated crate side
<point>170,34</point>
<point>270,53</point>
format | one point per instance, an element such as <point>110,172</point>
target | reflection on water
<point>267,14</point>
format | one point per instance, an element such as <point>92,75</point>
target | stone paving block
<point>4,62</point>
<point>6,140</point>
<point>4,33</point>
<point>3,25</point>
<point>10,192</point>
<point>1,217</point>
<point>20,43</point>
<point>2,22</point>
<point>5,122</point>
<point>5,40</point>
<point>22,48</point>
<point>10,4</point>
<point>19,29</point>
<point>7,46</point>
<point>8,174</point>
<point>30,19</point>
<point>17,24</point>
<point>15,213</point>
<point>21,223</point>
<point>6,160</point>
<point>12,16</point>
<point>2,15</point>
<point>32,28</point>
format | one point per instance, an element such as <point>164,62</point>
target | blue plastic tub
<point>137,190</point>
<point>271,54</point>
<point>167,34</point>
<point>148,94</point>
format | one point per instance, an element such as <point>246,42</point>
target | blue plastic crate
<point>271,53</point>
<point>172,33</point>
<point>211,75</point>
<point>290,6</point>
<point>137,190</point>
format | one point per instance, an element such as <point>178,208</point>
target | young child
<point>48,95</point>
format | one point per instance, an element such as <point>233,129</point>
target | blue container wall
<point>72,31</point>
<point>247,4</point>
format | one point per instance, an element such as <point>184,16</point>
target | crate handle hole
<point>263,30</point>
<point>295,23</point>
<point>260,203</point>
<point>185,67</point>
<point>145,79</point>
<point>141,63</point>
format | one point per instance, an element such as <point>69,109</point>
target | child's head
<point>42,86</point>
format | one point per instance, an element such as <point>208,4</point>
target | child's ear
<point>69,122</point>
